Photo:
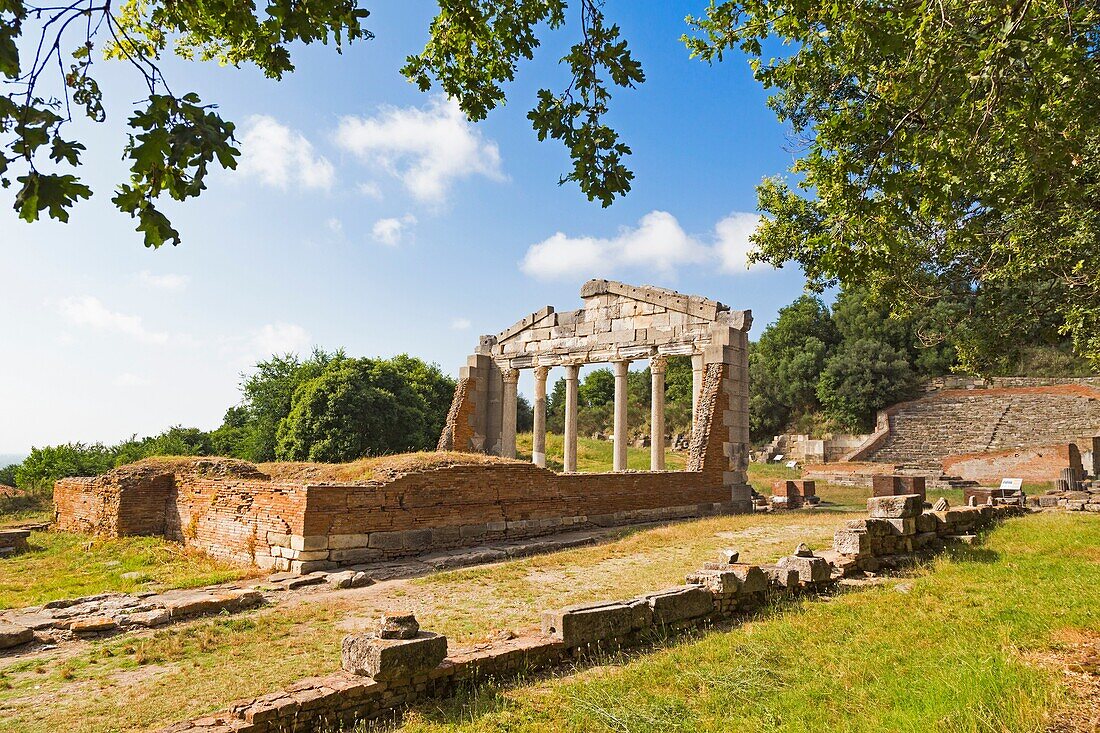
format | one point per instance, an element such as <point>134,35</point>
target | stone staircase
<point>954,422</point>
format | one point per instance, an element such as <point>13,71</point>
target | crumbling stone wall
<point>308,525</point>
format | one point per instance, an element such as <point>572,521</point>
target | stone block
<point>386,541</point>
<point>13,635</point>
<point>895,507</point>
<point>851,542</point>
<point>903,527</point>
<point>591,622</point>
<point>312,542</point>
<point>752,578</point>
<point>783,577</point>
<point>355,555</point>
<point>392,659</point>
<point>679,604</point>
<point>810,569</point>
<point>348,541</point>
<point>93,625</point>
<point>926,522</point>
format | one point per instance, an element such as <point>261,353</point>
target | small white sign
<point>1012,484</point>
<point>792,464</point>
<point>778,458</point>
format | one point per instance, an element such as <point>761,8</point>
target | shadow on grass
<point>972,554</point>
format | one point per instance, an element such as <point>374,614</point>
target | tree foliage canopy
<point>948,150</point>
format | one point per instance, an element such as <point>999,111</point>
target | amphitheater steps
<point>928,430</point>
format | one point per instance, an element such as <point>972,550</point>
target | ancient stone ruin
<point>314,517</point>
<point>618,324</point>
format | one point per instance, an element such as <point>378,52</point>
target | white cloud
<point>733,245</point>
<point>335,225</point>
<point>426,148</point>
<point>460,324</point>
<point>370,189</point>
<point>129,379</point>
<point>89,312</point>
<point>168,282</point>
<point>278,156</point>
<point>278,338</point>
<point>657,244</point>
<point>392,231</point>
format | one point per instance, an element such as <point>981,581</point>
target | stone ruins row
<point>400,664</point>
<point>454,498</point>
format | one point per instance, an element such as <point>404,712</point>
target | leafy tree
<point>555,408</point>
<point>785,364</point>
<point>525,415</point>
<point>267,396</point>
<point>596,389</point>
<point>47,464</point>
<point>948,149</point>
<point>360,407</point>
<point>7,475</point>
<point>174,139</point>
<point>862,377</point>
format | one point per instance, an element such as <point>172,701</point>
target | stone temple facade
<point>618,324</point>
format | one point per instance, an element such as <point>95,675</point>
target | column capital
<point>541,372</point>
<point>621,367</point>
<point>657,364</point>
<point>572,372</point>
<point>510,375</point>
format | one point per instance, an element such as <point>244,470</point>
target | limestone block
<point>392,659</point>
<point>902,527</point>
<point>347,541</point>
<point>926,523</point>
<point>14,635</point>
<point>895,507</point>
<point>592,622</point>
<point>355,555</point>
<point>93,625</point>
<point>313,542</point>
<point>781,576</point>
<point>679,604</point>
<point>851,542</point>
<point>810,569</point>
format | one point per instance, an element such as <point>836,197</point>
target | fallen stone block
<point>895,507</point>
<point>810,570</point>
<point>389,659</point>
<point>593,622</point>
<point>851,542</point>
<point>679,604</point>
<point>14,635</point>
<point>780,576</point>
<point>398,626</point>
<point>182,604</point>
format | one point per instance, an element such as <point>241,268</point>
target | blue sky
<point>369,216</point>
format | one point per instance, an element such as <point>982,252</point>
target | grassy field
<point>595,456</point>
<point>64,565</point>
<point>139,681</point>
<point>957,647</point>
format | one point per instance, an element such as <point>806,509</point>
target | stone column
<point>571,379</point>
<point>538,440</point>
<point>657,413</point>
<point>508,421</point>
<point>621,368</point>
<point>696,386</point>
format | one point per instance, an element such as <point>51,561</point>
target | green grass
<point>65,565</point>
<point>596,456</point>
<point>948,655</point>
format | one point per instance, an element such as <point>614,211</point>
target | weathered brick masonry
<point>230,509</point>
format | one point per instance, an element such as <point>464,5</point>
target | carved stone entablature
<point>617,322</point>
